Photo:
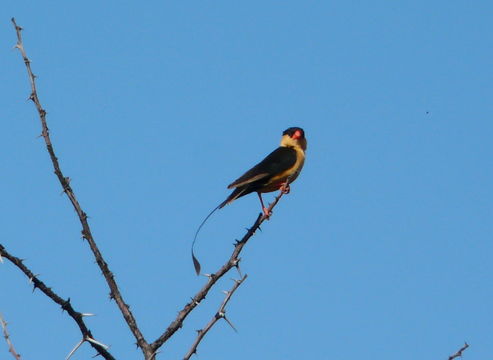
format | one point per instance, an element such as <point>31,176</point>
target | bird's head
<point>294,137</point>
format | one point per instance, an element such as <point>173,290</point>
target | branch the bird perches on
<point>149,349</point>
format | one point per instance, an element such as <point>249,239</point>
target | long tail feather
<point>196,263</point>
<point>233,196</point>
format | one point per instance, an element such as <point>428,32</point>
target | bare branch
<point>459,352</point>
<point>149,350</point>
<point>65,304</point>
<point>213,278</point>
<point>220,314</point>
<point>65,183</point>
<point>6,335</point>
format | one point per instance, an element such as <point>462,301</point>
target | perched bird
<point>280,168</point>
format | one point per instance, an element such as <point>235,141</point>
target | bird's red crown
<point>295,133</point>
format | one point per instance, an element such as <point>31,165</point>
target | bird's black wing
<point>278,161</point>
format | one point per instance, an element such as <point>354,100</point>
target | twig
<point>220,314</point>
<point>65,304</point>
<point>6,335</point>
<point>213,278</point>
<point>65,183</point>
<point>459,352</point>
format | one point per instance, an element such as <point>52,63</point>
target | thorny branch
<point>213,278</point>
<point>220,314</point>
<point>149,350</point>
<point>6,335</point>
<point>65,183</point>
<point>459,352</point>
<point>65,304</point>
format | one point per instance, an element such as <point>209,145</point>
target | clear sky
<point>383,249</point>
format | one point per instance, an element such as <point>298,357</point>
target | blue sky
<point>383,248</point>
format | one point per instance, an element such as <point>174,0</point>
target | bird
<point>279,169</point>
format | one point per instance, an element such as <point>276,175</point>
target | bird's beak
<point>296,135</point>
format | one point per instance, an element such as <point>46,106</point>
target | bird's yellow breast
<point>289,175</point>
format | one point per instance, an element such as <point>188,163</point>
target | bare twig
<point>459,352</point>
<point>220,314</point>
<point>65,304</point>
<point>213,278</point>
<point>86,230</point>
<point>6,335</point>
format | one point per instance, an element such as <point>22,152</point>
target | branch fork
<point>149,349</point>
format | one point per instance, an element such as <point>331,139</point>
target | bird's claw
<point>285,188</point>
<point>267,212</point>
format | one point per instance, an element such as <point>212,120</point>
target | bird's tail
<point>233,196</point>
<point>238,192</point>
<point>196,263</point>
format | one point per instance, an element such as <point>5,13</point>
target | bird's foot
<point>267,212</point>
<point>285,188</point>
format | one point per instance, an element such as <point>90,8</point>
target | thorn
<point>92,341</point>
<point>65,305</point>
<point>74,349</point>
<point>210,276</point>
<point>66,185</point>
<point>230,323</point>
<point>225,292</point>
<point>235,262</point>
<point>237,266</point>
